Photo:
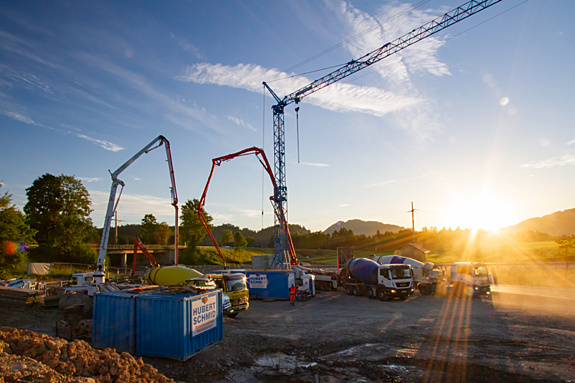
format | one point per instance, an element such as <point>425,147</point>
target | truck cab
<point>470,278</point>
<point>397,279</point>
<point>235,286</point>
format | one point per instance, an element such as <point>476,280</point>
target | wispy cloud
<point>90,179</point>
<point>103,144</point>
<point>242,123</point>
<point>400,94</point>
<point>563,160</point>
<point>314,164</point>
<point>185,115</point>
<point>20,117</point>
<point>571,142</point>
<point>337,97</point>
<point>391,22</point>
<point>344,205</point>
<point>247,212</point>
<point>379,184</point>
<point>223,218</point>
<point>188,47</point>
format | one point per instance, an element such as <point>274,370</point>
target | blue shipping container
<point>178,326</point>
<point>270,284</point>
<point>148,324</point>
<point>113,321</point>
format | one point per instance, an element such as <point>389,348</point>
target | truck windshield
<point>402,273</point>
<point>481,271</point>
<point>236,284</point>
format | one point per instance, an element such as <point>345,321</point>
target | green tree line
<point>56,218</point>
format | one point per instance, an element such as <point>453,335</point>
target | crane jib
<point>446,20</point>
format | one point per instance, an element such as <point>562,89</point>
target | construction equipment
<point>99,274</point>
<point>363,276</point>
<point>91,281</point>
<point>279,212</point>
<point>139,245</point>
<point>457,279</point>
<point>233,284</point>
<point>281,244</point>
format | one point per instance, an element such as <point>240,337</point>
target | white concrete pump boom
<point>99,274</point>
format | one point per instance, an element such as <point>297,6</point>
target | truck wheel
<point>425,289</point>
<point>355,291</point>
<point>348,290</point>
<point>370,293</point>
<point>381,295</point>
<point>232,315</point>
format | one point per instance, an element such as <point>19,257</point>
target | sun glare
<point>480,213</point>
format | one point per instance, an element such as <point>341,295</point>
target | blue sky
<point>474,125</point>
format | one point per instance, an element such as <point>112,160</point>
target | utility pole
<point>116,219</point>
<point>412,211</point>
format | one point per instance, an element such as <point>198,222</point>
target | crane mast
<point>454,16</point>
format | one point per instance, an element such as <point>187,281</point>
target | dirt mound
<point>41,358</point>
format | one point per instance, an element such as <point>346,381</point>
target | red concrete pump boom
<point>261,156</point>
<point>139,245</point>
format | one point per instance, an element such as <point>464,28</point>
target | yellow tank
<point>170,275</point>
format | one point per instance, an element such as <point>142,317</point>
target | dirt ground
<point>339,338</point>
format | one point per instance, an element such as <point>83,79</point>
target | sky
<point>473,125</point>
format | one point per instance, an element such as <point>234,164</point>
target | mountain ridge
<point>367,228</point>
<point>557,224</point>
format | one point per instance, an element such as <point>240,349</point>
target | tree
<point>162,234</point>
<point>149,223</point>
<point>192,230</point>
<point>153,231</point>
<point>226,238</point>
<point>239,241</point>
<point>15,235</point>
<point>59,209</point>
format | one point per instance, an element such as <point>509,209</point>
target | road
<point>519,334</point>
<point>334,337</point>
<point>535,299</point>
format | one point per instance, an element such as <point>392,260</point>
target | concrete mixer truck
<point>363,276</point>
<point>459,279</point>
<point>232,284</point>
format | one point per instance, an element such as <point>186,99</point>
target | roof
<point>418,247</point>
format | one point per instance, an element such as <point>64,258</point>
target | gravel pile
<point>31,357</point>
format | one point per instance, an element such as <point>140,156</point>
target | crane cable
<point>333,47</point>
<point>297,130</point>
<point>413,51</point>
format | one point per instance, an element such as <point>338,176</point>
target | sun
<point>480,212</point>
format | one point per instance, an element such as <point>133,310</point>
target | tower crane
<point>281,243</point>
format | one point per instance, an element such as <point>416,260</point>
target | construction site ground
<point>509,337</point>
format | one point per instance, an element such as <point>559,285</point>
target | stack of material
<point>16,297</point>
<point>262,261</point>
<point>108,287</point>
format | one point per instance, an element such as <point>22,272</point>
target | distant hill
<point>368,228</point>
<point>263,237</point>
<point>556,224</point>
